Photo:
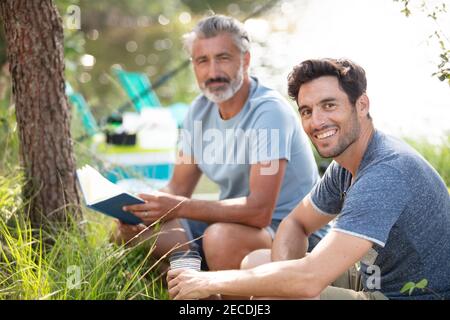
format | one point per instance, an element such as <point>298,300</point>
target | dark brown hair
<point>351,77</point>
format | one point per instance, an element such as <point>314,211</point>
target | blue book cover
<point>113,207</point>
<point>104,196</point>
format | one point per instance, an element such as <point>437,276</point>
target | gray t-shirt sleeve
<point>272,134</point>
<point>326,194</point>
<point>373,204</point>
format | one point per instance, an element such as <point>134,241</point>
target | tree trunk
<point>34,36</point>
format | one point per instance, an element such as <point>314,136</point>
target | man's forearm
<point>282,279</point>
<point>239,210</point>
<point>176,190</point>
<point>290,242</point>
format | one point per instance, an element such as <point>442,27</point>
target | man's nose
<point>317,119</point>
<point>214,69</point>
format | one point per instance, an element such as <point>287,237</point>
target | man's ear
<point>246,60</point>
<point>363,105</point>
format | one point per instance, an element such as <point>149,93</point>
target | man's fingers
<point>171,280</point>
<point>136,207</point>
<point>130,227</point>
<point>173,273</point>
<point>173,292</point>
<point>141,207</point>
<point>148,197</point>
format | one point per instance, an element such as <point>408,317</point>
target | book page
<point>94,186</point>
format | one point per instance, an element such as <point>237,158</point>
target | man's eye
<point>224,58</point>
<point>201,61</point>
<point>329,105</point>
<point>305,112</point>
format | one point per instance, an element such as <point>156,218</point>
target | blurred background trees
<point>141,36</point>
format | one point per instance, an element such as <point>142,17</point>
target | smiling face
<point>219,66</point>
<point>330,120</point>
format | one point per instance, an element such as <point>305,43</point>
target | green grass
<point>78,262</point>
<point>76,266</point>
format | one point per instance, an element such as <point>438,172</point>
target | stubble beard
<point>345,142</point>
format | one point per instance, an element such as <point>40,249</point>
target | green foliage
<point>10,199</point>
<point>411,286</point>
<point>408,287</point>
<point>9,140</point>
<point>422,284</point>
<point>140,36</point>
<point>439,35</point>
<point>438,155</point>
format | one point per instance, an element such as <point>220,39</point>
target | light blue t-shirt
<point>399,203</point>
<point>267,128</point>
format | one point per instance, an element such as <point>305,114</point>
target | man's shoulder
<point>272,104</point>
<point>392,155</point>
<point>264,95</point>
<point>199,107</point>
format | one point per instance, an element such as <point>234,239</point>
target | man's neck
<point>231,107</point>
<point>351,158</point>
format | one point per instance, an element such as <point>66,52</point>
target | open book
<point>104,196</point>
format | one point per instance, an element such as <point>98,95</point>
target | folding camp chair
<point>138,88</point>
<point>82,108</point>
<point>140,92</point>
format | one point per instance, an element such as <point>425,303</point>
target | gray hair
<point>213,26</point>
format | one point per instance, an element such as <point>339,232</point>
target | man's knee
<point>256,258</point>
<point>226,244</point>
<point>235,236</point>
<point>218,236</point>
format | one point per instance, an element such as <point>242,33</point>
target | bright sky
<point>405,99</point>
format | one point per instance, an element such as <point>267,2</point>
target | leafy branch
<point>435,13</point>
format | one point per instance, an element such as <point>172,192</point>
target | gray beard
<point>229,92</point>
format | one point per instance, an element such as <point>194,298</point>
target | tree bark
<point>35,50</point>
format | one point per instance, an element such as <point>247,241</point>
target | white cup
<point>185,259</point>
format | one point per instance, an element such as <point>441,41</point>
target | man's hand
<point>186,284</point>
<point>124,233</point>
<point>158,206</point>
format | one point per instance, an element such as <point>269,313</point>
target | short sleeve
<point>374,204</point>
<point>325,196</point>
<point>271,134</point>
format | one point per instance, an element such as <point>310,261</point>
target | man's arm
<point>254,210</point>
<point>186,175</point>
<point>291,239</point>
<point>302,278</point>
